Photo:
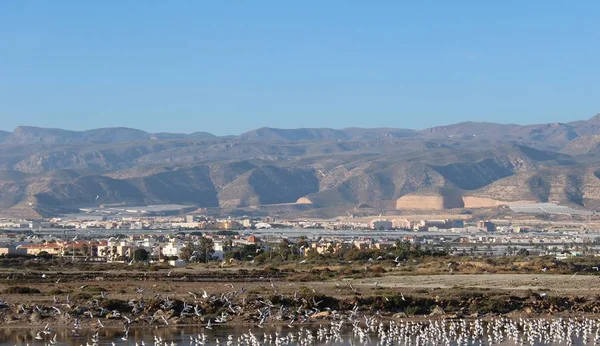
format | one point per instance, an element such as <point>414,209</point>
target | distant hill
<point>49,171</point>
<point>4,135</point>
<point>29,135</point>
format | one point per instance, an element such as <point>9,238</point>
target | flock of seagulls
<point>278,319</point>
<point>355,328</point>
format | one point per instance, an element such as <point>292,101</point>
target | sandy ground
<point>123,288</point>
<point>564,284</point>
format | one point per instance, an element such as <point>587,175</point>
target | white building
<point>173,248</point>
<point>381,224</point>
<point>177,263</point>
<point>219,253</point>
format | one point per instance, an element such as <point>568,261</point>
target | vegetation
<point>21,290</point>
<point>141,255</point>
<point>200,252</point>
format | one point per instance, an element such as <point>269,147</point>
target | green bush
<point>412,310</point>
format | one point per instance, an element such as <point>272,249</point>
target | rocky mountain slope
<point>49,171</point>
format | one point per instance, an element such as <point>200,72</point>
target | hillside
<point>51,171</point>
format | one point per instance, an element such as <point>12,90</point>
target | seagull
<point>165,320</point>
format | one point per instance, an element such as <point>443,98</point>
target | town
<point>181,239</point>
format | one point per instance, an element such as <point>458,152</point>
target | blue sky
<point>231,66</point>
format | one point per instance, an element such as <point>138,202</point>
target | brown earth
<point>407,295</point>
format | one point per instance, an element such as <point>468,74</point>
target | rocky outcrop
<point>451,202</point>
<point>481,202</point>
<point>304,200</point>
<point>429,202</point>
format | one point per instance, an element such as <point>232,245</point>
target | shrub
<point>82,296</point>
<point>114,304</point>
<point>21,290</point>
<point>93,289</point>
<point>412,310</point>
<point>377,270</point>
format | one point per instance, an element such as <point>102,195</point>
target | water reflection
<point>178,335</point>
<point>371,332</point>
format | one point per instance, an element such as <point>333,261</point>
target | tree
<point>244,253</point>
<point>44,255</point>
<point>227,245</point>
<point>188,251</point>
<point>85,249</point>
<point>206,249</point>
<point>141,255</point>
<point>200,252</point>
<point>285,249</point>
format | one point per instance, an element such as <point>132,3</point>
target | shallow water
<point>541,332</point>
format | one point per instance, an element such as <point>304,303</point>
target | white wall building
<point>173,248</point>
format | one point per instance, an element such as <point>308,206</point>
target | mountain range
<point>45,172</point>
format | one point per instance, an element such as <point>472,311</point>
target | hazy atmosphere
<point>230,67</point>
<point>312,173</point>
